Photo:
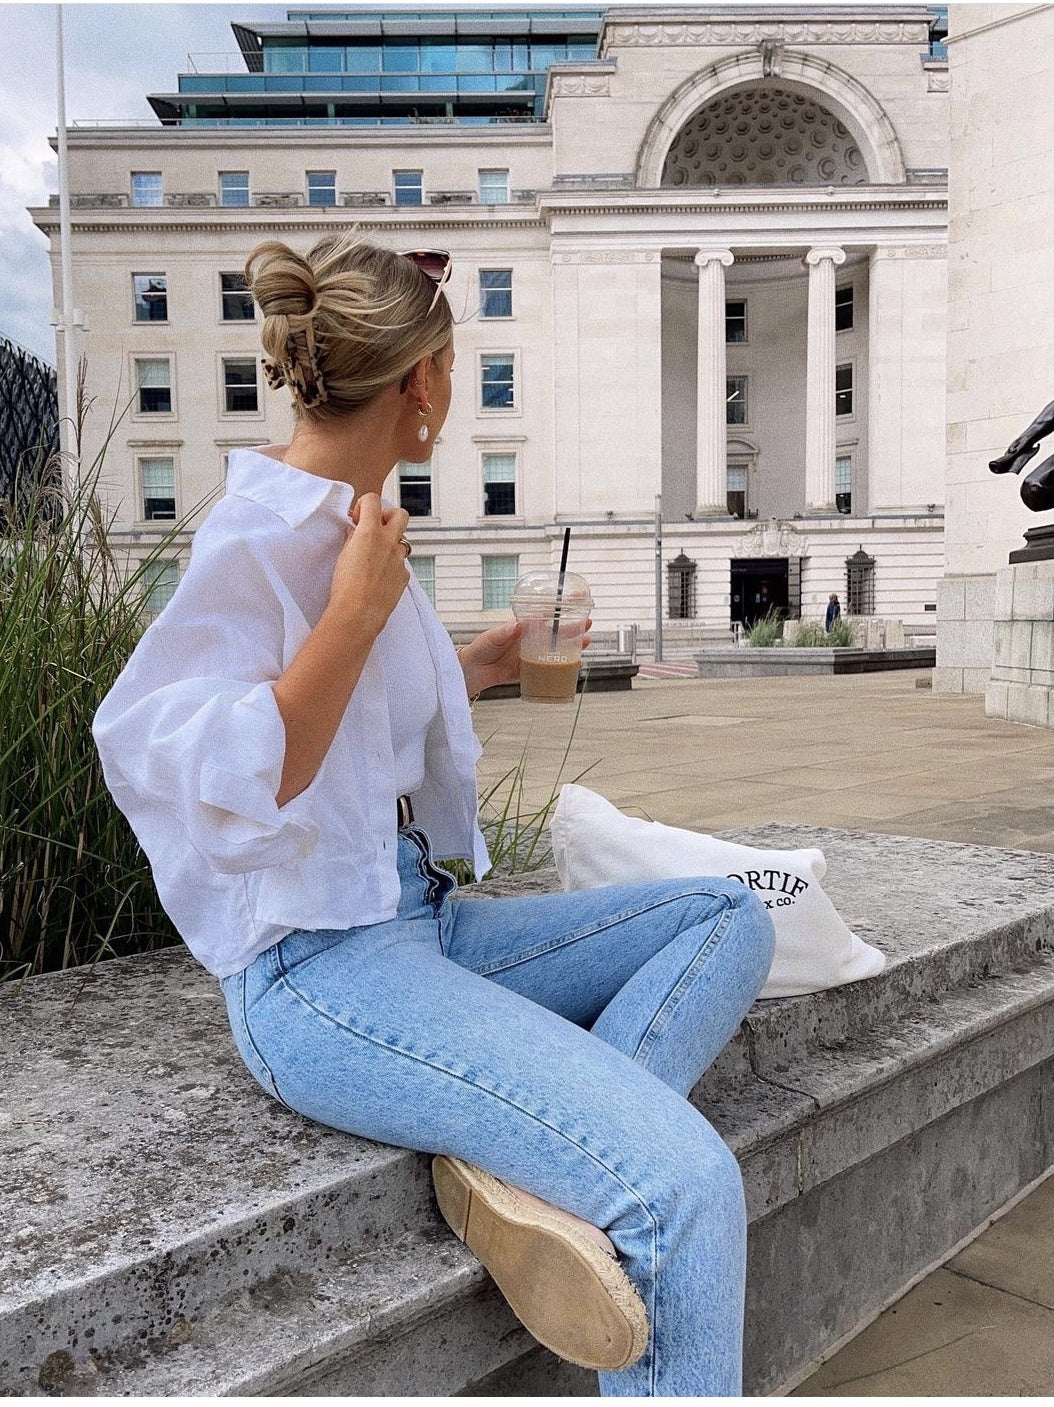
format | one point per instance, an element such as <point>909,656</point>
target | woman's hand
<point>494,657</point>
<point>370,573</point>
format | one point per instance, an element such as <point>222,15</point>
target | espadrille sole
<point>572,1296</point>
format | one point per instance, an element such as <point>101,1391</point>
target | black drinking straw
<point>560,586</point>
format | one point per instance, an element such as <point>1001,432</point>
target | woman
<point>292,743</point>
<point>834,612</point>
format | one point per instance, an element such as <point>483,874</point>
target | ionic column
<point>711,435</point>
<point>819,381</point>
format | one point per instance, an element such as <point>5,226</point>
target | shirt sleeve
<point>192,726</point>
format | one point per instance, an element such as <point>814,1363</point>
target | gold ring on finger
<point>406,545</point>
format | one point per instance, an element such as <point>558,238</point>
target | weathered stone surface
<point>171,1230</point>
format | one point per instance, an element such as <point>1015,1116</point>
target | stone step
<point>172,1231</point>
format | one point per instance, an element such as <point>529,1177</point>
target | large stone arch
<point>839,92</point>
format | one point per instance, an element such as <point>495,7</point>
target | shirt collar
<point>292,493</point>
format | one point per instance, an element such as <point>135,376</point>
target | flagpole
<point>67,314</point>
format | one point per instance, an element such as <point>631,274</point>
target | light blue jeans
<point>552,1040</point>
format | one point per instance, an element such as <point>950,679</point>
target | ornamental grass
<point>74,885</point>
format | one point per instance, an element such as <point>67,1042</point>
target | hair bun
<point>282,281</point>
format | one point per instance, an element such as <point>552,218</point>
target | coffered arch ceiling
<point>764,134</point>
<point>836,110</point>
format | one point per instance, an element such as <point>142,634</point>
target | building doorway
<point>763,584</point>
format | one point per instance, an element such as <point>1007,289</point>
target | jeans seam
<point>597,927</point>
<point>669,1003</point>
<point>256,1049</point>
<point>511,1103</point>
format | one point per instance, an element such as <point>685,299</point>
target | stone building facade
<point>1000,328</point>
<point>705,269</point>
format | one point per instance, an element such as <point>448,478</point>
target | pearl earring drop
<point>423,412</point>
<point>422,433</point>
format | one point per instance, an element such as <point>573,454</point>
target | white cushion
<point>595,844</point>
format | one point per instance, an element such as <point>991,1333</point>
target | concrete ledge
<point>764,661</point>
<point>173,1232</point>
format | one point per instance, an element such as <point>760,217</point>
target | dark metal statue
<point>1037,488</point>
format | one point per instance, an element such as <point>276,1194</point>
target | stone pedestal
<point>1022,684</point>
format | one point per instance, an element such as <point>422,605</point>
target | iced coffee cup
<point>553,615</point>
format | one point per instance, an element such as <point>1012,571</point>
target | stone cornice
<point>767,200</point>
<point>852,25</point>
<point>283,220</point>
<point>511,134</point>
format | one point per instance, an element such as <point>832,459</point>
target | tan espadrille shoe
<point>561,1280</point>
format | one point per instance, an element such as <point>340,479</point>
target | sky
<point>114,56</point>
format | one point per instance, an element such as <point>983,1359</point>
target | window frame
<point>154,415</point>
<point>840,307</point>
<point>136,298</point>
<point>398,171</point>
<point>153,576</point>
<point>502,453</point>
<point>849,366</point>
<point>234,293</point>
<point>495,317</point>
<point>249,360</point>
<point>735,467</point>
<point>745,379</point>
<point>321,204</point>
<point>234,204</point>
<point>743,341</point>
<point>428,587</point>
<point>486,557</point>
<point>427,464</point>
<point>148,204</point>
<point>141,459</point>
<point>483,357</point>
<point>481,187</point>
<point>846,493</point>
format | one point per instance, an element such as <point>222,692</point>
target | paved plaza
<point>870,752</point>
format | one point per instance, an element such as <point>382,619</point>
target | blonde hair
<point>343,321</point>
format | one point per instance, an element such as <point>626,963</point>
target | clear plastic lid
<point>539,591</point>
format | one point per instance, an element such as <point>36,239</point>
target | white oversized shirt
<point>192,743</point>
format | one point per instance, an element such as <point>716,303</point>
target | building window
<point>497,383</point>
<point>153,377</point>
<point>736,400</point>
<point>735,322</point>
<point>860,584</point>
<point>843,389</point>
<point>147,188</point>
<point>843,483</point>
<point>843,308</point>
<point>680,575</point>
<point>321,188</point>
<point>151,297</point>
<point>236,302</point>
<point>424,569</point>
<point>494,187</point>
<point>495,293</point>
<point>415,488</point>
<point>737,490</point>
<point>499,577</point>
<point>499,484</point>
<point>239,385</point>
<point>160,580</point>
<point>234,188</point>
<point>157,474</point>
<point>409,187</point>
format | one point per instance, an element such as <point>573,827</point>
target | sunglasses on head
<point>434,264</point>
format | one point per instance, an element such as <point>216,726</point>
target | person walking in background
<point>834,612</point>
